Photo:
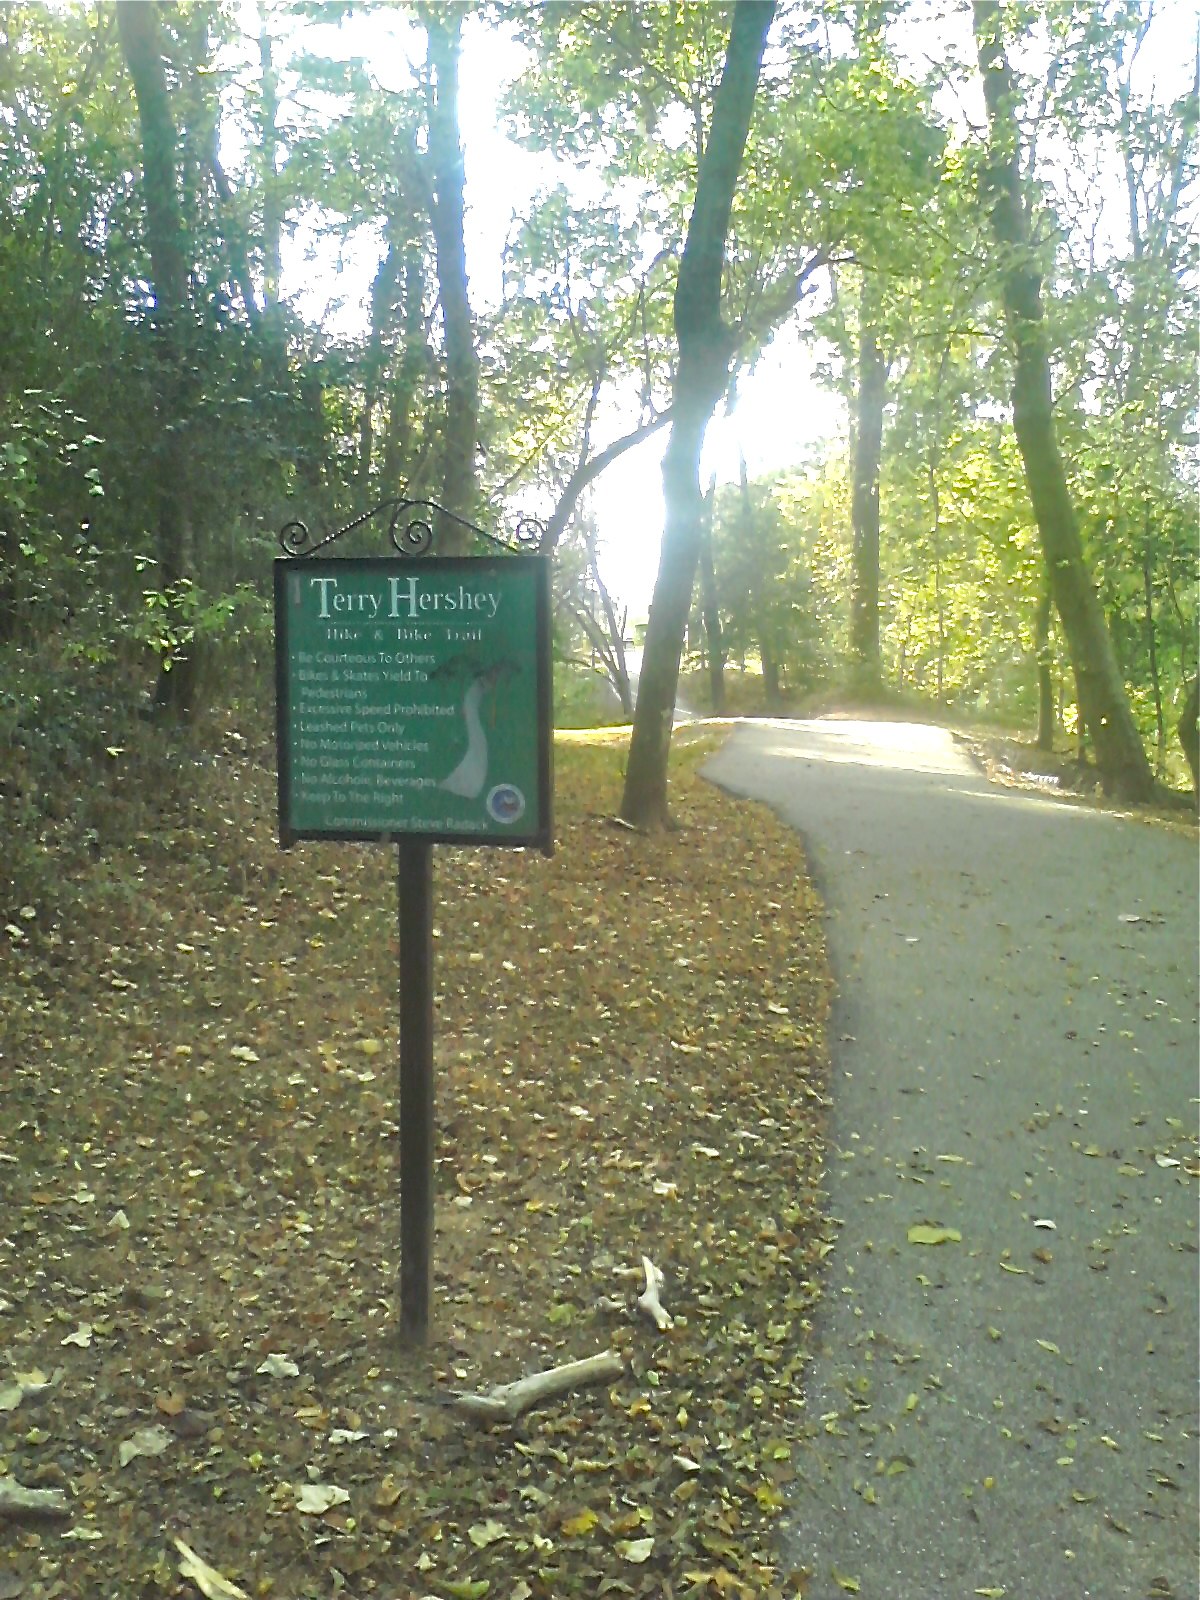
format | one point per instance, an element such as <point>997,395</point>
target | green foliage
<point>779,561</point>
<point>853,167</point>
<point>584,698</point>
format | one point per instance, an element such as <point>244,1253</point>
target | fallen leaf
<point>211,1583</point>
<point>145,1442</point>
<point>24,1386</point>
<point>388,1492</point>
<point>314,1499</point>
<point>81,1337</point>
<point>279,1366</point>
<point>634,1550</point>
<point>582,1523</point>
<point>925,1233</point>
<point>769,1497</point>
<point>482,1534</point>
<point>468,1588</point>
<point>629,1523</point>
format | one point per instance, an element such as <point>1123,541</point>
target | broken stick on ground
<point>506,1402</point>
<point>18,1502</point>
<point>648,1300</point>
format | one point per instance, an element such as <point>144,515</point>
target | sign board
<point>413,699</point>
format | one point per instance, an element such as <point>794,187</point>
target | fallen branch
<point>506,1402</point>
<point>212,1584</point>
<point>17,1501</point>
<point>648,1300</point>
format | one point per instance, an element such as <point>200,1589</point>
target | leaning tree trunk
<point>700,378</point>
<point>460,427</point>
<point>1103,702</point>
<point>866,672</point>
<point>138,28</point>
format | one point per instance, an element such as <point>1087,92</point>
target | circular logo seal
<point>506,803</point>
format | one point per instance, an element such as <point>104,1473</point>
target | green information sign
<point>413,699</point>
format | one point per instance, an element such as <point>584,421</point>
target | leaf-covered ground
<point>198,1169</point>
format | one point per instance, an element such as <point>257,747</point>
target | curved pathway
<point>1012,1411</point>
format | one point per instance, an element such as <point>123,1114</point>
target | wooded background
<point>989,248</point>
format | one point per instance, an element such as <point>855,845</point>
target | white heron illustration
<point>470,775</point>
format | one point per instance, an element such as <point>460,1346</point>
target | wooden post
<point>415,879</point>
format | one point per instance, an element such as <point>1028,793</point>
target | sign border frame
<point>543,838</point>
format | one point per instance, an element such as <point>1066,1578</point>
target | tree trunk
<point>710,610</point>
<point>1189,732</point>
<point>772,689</point>
<point>383,306</point>
<point>1152,648</point>
<point>866,674</point>
<point>138,28</point>
<point>409,380</point>
<point>1045,675</point>
<point>606,632</point>
<point>760,606</point>
<point>1104,704</point>
<point>460,427</point>
<point>233,235</point>
<point>10,609</point>
<point>700,378</point>
<point>272,212</point>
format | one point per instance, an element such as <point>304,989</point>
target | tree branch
<point>588,471</point>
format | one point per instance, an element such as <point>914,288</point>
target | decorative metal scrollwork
<point>410,529</point>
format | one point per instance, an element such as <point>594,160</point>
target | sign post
<point>415,882</point>
<point>413,706</point>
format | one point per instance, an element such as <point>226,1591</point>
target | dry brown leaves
<point>198,1241</point>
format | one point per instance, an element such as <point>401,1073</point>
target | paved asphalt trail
<point>1014,1046</point>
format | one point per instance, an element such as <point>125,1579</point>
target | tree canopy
<point>246,280</point>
